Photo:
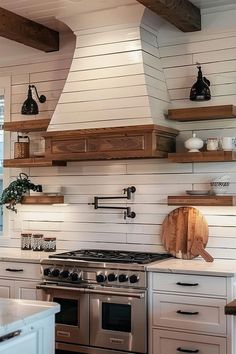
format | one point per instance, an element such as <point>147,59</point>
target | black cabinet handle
<point>187,312</point>
<point>187,350</point>
<point>186,284</point>
<point>14,270</point>
<point>10,335</point>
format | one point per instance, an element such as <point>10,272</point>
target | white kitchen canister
<point>194,144</point>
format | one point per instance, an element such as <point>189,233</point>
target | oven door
<point>119,320</point>
<point>72,322</point>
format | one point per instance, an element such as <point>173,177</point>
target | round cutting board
<point>185,233</point>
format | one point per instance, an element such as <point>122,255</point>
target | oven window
<point>69,312</point>
<point>116,317</point>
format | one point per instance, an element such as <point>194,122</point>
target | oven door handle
<point>57,287</point>
<point>137,295</point>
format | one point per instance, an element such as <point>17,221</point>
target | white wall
<point>78,225</point>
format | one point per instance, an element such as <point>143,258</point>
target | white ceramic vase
<point>194,144</point>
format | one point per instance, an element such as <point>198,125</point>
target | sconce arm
<point>41,98</point>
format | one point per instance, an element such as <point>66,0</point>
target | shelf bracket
<point>128,213</point>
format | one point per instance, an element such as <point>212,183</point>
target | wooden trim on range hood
<point>142,141</point>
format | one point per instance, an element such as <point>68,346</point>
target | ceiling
<point>48,11</point>
<point>45,11</point>
<point>204,4</point>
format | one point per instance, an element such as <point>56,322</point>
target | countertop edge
<point>220,267</point>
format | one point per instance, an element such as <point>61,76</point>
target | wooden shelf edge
<point>32,162</point>
<point>200,200</point>
<point>32,125</point>
<point>203,156</point>
<point>43,199</point>
<point>202,113</point>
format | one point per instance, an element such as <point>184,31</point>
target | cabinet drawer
<point>189,313</point>
<point>167,342</point>
<point>20,270</point>
<point>190,284</point>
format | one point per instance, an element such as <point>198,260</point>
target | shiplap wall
<point>78,224</point>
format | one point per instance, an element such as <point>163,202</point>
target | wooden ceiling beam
<point>25,31</point>
<point>181,13</point>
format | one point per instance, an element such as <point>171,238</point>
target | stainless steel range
<point>103,298</point>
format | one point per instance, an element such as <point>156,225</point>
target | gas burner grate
<point>112,256</point>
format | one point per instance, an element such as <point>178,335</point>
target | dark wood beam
<point>181,13</point>
<point>25,31</point>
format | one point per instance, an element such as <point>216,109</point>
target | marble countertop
<point>14,313</point>
<point>219,267</point>
<point>17,255</point>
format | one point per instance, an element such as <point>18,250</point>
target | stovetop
<point>111,256</point>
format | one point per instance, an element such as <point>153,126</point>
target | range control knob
<point>112,277</point>
<point>123,278</point>
<point>64,274</point>
<point>47,272</point>
<point>133,278</point>
<point>101,278</point>
<point>74,276</point>
<point>55,272</point>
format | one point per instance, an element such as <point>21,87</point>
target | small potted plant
<point>14,193</point>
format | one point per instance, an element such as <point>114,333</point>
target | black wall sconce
<point>200,90</point>
<point>30,106</point>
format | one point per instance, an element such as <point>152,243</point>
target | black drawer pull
<point>187,312</point>
<point>14,270</point>
<point>187,284</point>
<point>187,350</point>
<point>10,335</point>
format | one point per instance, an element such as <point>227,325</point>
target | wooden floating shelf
<point>203,200</point>
<point>203,156</point>
<point>43,199</point>
<point>32,125</point>
<point>202,113</point>
<point>32,162</point>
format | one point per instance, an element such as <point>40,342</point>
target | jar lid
<point>26,234</point>
<point>37,235</point>
<point>50,238</point>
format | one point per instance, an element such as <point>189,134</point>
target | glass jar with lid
<point>26,241</point>
<point>49,244</point>
<point>37,242</point>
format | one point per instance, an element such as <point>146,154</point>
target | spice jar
<point>37,242</point>
<point>49,244</point>
<point>21,147</point>
<point>26,241</point>
<point>212,144</point>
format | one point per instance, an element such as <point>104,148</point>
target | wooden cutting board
<point>185,234</point>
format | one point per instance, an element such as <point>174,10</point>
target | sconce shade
<point>200,90</point>
<point>30,106</point>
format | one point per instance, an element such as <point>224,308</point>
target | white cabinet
<point>26,290</point>
<point>186,314</point>
<point>166,342</point>
<point>27,343</point>
<point>6,288</point>
<point>27,327</point>
<point>18,280</point>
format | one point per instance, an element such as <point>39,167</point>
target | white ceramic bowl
<point>219,188</point>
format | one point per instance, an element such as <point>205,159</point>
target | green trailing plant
<point>14,193</point>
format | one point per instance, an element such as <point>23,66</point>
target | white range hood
<point>116,77</point>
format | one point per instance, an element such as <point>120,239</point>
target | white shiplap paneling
<point>78,224</point>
